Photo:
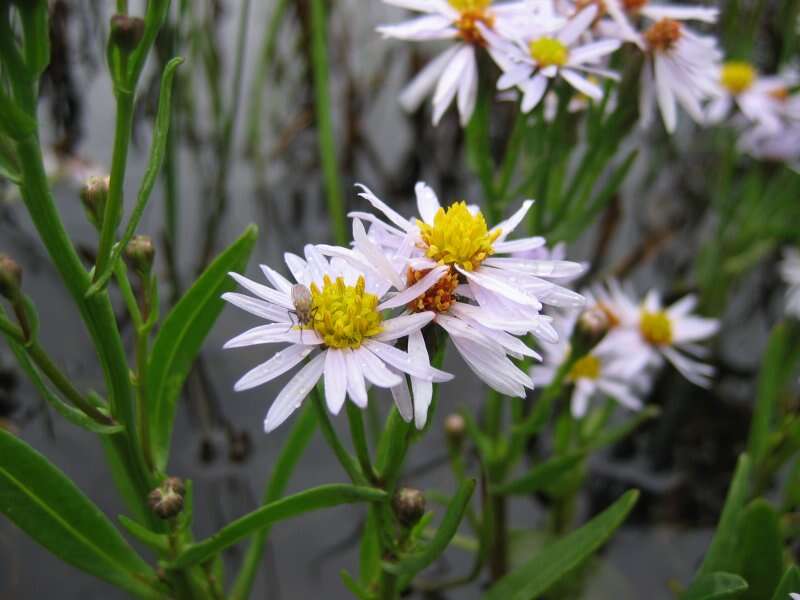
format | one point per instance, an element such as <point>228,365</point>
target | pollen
<point>467,24</point>
<point>656,328</point>
<point>586,367</point>
<point>737,76</point>
<point>344,315</point>
<point>663,35</point>
<point>463,6</point>
<point>549,51</point>
<point>600,4</point>
<point>439,297</point>
<point>457,237</point>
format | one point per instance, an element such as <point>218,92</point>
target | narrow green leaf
<point>157,150</point>
<point>790,583</point>
<point>781,354</point>
<point>721,555</point>
<point>155,541</point>
<point>557,560</point>
<point>415,562</point>
<point>369,555</point>
<point>45,504</point>
<point>182,334</point>
<point>715,586</point>
<point>37,36</point>
<point>619,433</point>
<point>324,496</point>
<point>760,549</point>
<point>541,475</point>
<point>354,587</point>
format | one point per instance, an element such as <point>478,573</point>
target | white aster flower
<point>779,146</point>
<point>648,334</point>
<point>531,61</point>
<point>454,73</point>
<point>762,100</point>
<point>795,596</point>
<point>481,300</point>
<point>790,271</point>
<point>345,335</point>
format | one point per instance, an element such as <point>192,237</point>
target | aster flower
<point>454,73</point>
<point>782,145</point>
<point>481,300</point>
<point>346,337</point>
<point>790,272</point>
<point>762,100</point>
<point>529,62</point>
<point>649,334</point>
<point>681,66</point>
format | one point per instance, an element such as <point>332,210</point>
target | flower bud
<point>409,506</point>
<point>166,501</point>
<point>126,32</point>
<point>140,253</point>
<point>93,196</point>
<point>10,277</point>
<point>594,321</point>
<point>239,447</point>
<point>454,428</point>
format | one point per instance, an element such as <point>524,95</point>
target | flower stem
<point>349,464</point>
<point>360,444</point>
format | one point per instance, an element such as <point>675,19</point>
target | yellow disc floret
<point>587,367</point>
<point>457,237</point>
<point>656,328</point>
<point>549,51</point>
<point>470,5</point>
<point>439,297</point>
<point>737,76</point>
<point>344,314</point>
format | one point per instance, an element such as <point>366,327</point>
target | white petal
<point>683,306</point>
<point>391,214</point>
<point>416,290</point>
<point>665,96</point>
<point>521,245</point>
<point>263,334</point>
<point>404,325</point>
<point>620,393</point>
<point>356,388</point>
<point>259,308</point>
<point>532,92</point>
<point>277,280</point>
<point>582,84</point>
<point>291,396</point>
<point>681,13</point>
<point>426,27</point>
<point>468,90</point>
<point>541,268</point>
<point>427,202</point>
<point>377,259</point>
<point>510,224</point>
<point>335,380</point>
<point>277,365</point>
<point>515,76</point>
<point>497,286</point>
<point>297,267</point>
<point>448,83</point>
<point>577,25</point>
<point>593,51</point>
<point>692,329</point>
<point>375,370</point>
<point>580,397</point>
<point>414,93</point>
<point>426,6</point>
<point>402,400</point>
<point>263,291</point>
<point>404,363</point>
<point>423,390</point>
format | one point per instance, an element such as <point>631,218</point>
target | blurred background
<point>691,216</point>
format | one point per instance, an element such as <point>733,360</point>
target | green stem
<point>349,464</point>
<point>119,158</point>
<point>322,105</point>
<point>360,444</point>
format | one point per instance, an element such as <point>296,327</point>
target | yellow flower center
<point>457,237</point>
<point>656,328</point>
<point>343,315</point>
<point>438,297</point>
<point>737,76</point>
<point>587,367</point>
<point>467,25</point>
<point>470,5</point>
<point>663,35</point>
<point>548,51</point>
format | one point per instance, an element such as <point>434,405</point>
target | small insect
<point>304,310</point>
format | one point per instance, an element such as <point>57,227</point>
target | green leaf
<point>324,496</point>
<point>155,541</point>
<point>777,366</point>
<point>415,562</point>
<point>157,149</point>
<point>622,431</point>
<point>790,583</point>
<point>557,560</point>
<point>541,475</point>
<point>369,555</point>
<point>179,340</point>
<point>45,504</point>
<point>721,555</point>
<point>715,586</point>
<point>37,36</point>
<point>354,587</point>
<point>760,549</point>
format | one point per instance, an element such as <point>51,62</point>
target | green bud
<point>409,506</point>
<point>140,253</point>
<point>126,32</point>
<point>454,429</point>
<point>166,501</point>
<point>93,196</point>
<point>10,277</point>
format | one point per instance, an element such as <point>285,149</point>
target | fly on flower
<point>344,334</point>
